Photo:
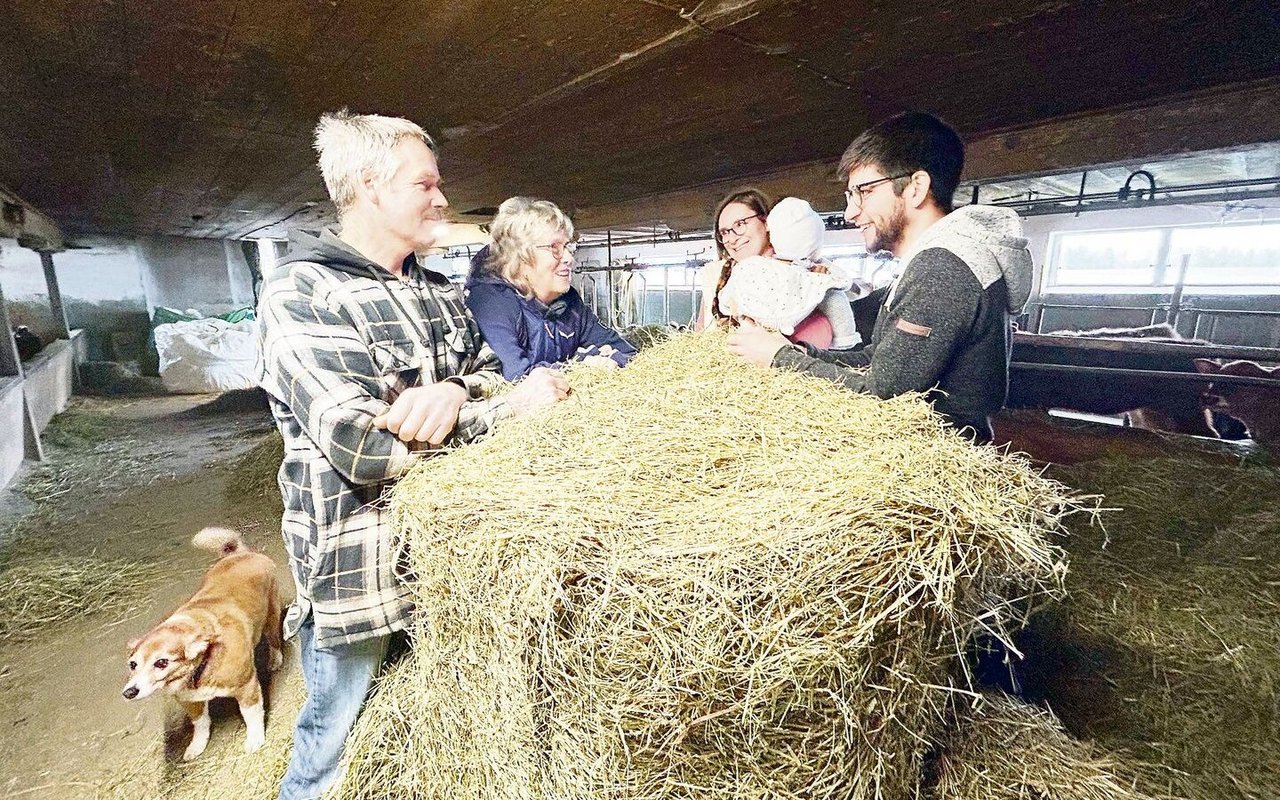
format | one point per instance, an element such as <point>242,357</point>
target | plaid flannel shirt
<point>336,351</point>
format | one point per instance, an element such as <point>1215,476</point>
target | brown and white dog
<point>204,649</point>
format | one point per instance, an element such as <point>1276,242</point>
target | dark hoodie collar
<point>329,251</point>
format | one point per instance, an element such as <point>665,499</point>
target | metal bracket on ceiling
<point>1125,192</point>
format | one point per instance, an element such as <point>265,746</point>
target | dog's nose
<point>130,692</point>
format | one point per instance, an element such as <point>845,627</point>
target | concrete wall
<point>12,444</point>
<point>111,286</point>
<point>209,275</point>
<point>36,398</point>
<point>50,380</point>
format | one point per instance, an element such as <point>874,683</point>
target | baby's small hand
<point>600,362</point>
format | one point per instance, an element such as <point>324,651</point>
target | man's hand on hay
<point>424,413</point>
<point>541,388</point>
<point>756,344</point>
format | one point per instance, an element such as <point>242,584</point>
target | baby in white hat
<point>786,291</point>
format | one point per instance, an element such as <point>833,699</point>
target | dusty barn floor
<point>109,516</point>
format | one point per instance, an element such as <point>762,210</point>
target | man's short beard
<point>890,235</point>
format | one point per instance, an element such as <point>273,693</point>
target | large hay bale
<point>1001,749</point>
<point>1168,644</point>
<point>696,578</point>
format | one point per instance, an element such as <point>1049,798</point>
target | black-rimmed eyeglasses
<point>558,249</point>
<point>861,190</point>
<point>738,228</point>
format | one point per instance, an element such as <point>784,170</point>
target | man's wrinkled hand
<point>540,388</point>
<point>424,413</point>
<point>755,344</point>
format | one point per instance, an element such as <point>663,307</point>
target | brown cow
<point>1258,407</point>
<point>1146,402</point>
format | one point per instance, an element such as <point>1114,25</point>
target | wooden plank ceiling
<point>193,117</point>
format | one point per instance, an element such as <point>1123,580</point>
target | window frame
<point>1164,272</point>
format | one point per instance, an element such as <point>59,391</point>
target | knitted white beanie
<point>795,230</point>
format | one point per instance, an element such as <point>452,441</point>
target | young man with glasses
<point>944,327</point>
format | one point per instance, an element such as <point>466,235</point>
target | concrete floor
<point>127,479</point>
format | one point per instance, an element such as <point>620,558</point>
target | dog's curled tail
<point>221,541</point>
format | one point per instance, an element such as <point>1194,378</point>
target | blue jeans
<point>338,681</point>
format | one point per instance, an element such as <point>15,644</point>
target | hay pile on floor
<point>254,475</point>
<point>1006,750</point>
<point>39,591</point>
<point>697,578</point>
<point>1168,645</point>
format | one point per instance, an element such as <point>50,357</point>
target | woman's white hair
<point>520,226</point>
<point>352,146</point>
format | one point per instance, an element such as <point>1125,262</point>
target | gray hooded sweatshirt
<point>944,328</point>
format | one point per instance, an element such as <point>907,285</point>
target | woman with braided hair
<point>740,233</point>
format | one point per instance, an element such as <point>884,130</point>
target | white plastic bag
<point>207,355</point>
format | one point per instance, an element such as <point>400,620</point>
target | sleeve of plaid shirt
<point>481,380</point>
<point>317,364</point>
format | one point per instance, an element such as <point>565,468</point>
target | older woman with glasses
<point>519,293</point>
<point>740,233</point>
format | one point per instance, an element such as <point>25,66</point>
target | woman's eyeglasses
<point>737,228</point>
<point>558,249</point>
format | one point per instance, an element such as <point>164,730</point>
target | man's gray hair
<point>352,146</point>
<point>521,225</point>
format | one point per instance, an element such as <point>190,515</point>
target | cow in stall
<point>1258,407</point>
<point>1146,402</point>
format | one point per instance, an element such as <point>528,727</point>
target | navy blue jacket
<point>526,333</point>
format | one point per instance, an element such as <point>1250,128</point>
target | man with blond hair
<point>369,360</point>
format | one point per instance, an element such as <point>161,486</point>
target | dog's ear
<point>132,644</point>
<point>195,648</point>
<point>1207,367</point>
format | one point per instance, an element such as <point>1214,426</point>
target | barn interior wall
<point>12,421</point>
<point>112,285</point>
<point>1231,328</point>
<point>1231,324</point>
<point>1039,228</point>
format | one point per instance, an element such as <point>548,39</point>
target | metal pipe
<point>1193,377</point>
<point>1080,195</point>
<point>1146,346</point>
<point>666,296</point>
<point>1175,300</point>
<point>58,310</point>
<point>1191,187</point>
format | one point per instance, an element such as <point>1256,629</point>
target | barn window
<point>1235,256</point>
<point>667,291</point>
<point>878,268</point>
<point>1093,259</point>
<point>1219,259</point>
